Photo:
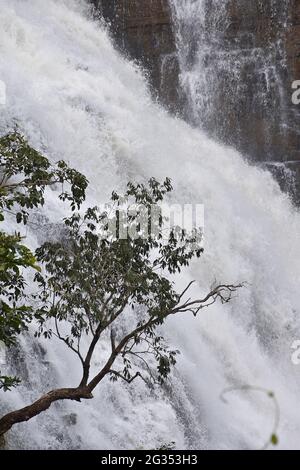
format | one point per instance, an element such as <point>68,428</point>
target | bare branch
<point>65,340</point>
<point>145,363</point>
<point>186,289</point>
<point>113,340</point>
<point>223,292</point>
<point>128,380</point>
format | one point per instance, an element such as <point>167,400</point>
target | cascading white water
<point>232,69</point>
<point>75,98</point>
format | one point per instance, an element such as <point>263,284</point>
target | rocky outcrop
<point>293,40</point>
<point>253,58</point>
<point>239,69</point>
<point>269,34</point>
<point>142,29</point>
<point>292,48</point>
<point>266,126</point>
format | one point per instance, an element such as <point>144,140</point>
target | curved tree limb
<point>84,390</point>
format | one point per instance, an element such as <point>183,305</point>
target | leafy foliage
<point>14,255</point>
<point>7,383</point>
<point>24,175</point>
<point>94,283</point>
<point>94,279</point>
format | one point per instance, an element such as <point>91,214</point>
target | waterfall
<point>233,65</point>
<point>76,98</point>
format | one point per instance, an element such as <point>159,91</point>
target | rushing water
<point>76,98</point>
<point>232,58</point>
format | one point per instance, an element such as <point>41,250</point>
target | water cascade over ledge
<point>76,98</point>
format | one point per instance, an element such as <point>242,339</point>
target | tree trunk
<point>42,404</point>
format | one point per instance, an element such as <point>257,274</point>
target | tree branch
<point>61,338</point>
<point>42,404</point>
<point>118,374</point>
<point>84,391</point>
<point>214,295</point>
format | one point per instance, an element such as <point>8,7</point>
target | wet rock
<point>142,29</point>
<point>70,419</point>
<point>252,58</point>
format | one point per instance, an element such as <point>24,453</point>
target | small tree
<point>24,175</point>
<point>93,281</point>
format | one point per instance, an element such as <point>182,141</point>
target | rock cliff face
<point>243,60</point>
<point>293,60</point>
<point>252,56</point>
<point>142,29</point>
<point>269,122</point>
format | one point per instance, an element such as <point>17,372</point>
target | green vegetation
<point>24,175</point>
<point>100,286</point>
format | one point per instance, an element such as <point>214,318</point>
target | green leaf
<point>20,162</point>
<point>19,217</point>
